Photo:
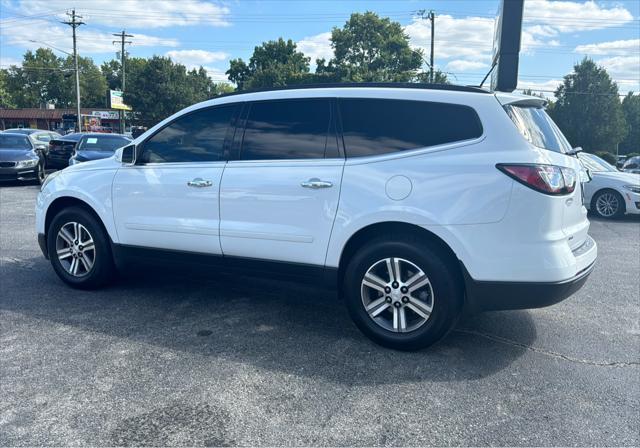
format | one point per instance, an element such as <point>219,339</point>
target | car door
<point>279,196</point>
<point>169,198</point>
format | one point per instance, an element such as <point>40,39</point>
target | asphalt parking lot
<point>174,359</point>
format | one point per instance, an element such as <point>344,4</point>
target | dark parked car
<point>39,138</point>
<point>632,165</point>
<point>61,149</point>
<point>97,146</point>
<point>19,159</point>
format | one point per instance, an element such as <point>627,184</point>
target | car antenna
<point>493,65</point>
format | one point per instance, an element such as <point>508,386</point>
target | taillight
<point>548,179</point>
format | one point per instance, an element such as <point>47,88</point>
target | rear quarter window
<point>381,126</point>
<point>538,128</point>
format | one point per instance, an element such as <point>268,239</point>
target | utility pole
<point>74,23</point>
<point>432,17</point>
<point>123,35</point>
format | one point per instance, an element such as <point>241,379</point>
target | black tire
<point>103,268</point>
<point>618,199</point>
<point>41,172</point>
<point>448,292</point>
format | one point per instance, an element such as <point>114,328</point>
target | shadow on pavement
<point>270,325</point>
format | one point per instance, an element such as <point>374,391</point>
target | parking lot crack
<point>545,352</point>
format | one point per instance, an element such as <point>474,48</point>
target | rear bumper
<point>495,296</point>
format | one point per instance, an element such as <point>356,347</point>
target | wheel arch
<point>393,228</point>
<point>63,202</point>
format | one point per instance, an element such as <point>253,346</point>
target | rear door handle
<point>199,182</point>
<point>316,184</point>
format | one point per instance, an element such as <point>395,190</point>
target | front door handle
<point>199,182</point>
<point>316,184</point>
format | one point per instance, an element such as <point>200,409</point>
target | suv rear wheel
<point>402,294</point>
<point>79,249</point>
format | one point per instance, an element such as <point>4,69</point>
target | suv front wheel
<point>79,249</point>
<point>402,293</point>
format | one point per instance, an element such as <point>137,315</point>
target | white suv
<point>416,202</point>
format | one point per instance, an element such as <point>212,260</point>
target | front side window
<point>288,129</point>
<point>538,128</point>
<point>195,137</point>
<point>380,126</point>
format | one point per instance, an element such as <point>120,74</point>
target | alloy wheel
<point>397,295</point>
<point>607,204</point>
<point>75,249</point>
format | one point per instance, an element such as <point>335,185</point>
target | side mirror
<point>128,155</point>
<point>41,146</point>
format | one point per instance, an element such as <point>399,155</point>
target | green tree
<point>439,77</point>
<point>93,85</point>
<point>275,63</point>
<point>631,110</point>
<point>38,81</point>
<point>6,101</point>
<point>111,70</point>
<point>158,87</point>
<point>588,109</point>
<point>371,49</point>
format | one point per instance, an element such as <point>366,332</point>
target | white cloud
<point>316,47</point>
<point>89,42</point>
<point>616,47</point>
<point>196,57</point>
<point>570,16</point>
<point>460,65</point>
<point>6,62</point>
<point>540,86</point>
<point>625,70</point>
<point>136,13</point>
<point>217,75</point>
<point>470,38</point>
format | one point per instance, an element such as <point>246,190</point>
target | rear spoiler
<point>520,100</point>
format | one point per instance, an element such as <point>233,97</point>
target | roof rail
<point>397,85</point>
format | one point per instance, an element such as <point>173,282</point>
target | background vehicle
<point>415,201</point>
<point>632,165</point>
<point>620,161</point>
<point>97,146</point>
<point>19,159</point>
<point>61,149</point>
<point>611,193</point>
<point>39,138</point>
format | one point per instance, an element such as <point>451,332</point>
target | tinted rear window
<point>288,129</point>
<point>538,128</point>
<point>379,126</point>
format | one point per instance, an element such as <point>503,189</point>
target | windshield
<point>538,128</point>
<point>632,163</point>
<point>102,143</point>
<point>595,163</point>
<point>14,142</point>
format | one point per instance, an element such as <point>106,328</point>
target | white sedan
<point>611,193</point>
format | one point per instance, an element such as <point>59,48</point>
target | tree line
<point>368,48</point>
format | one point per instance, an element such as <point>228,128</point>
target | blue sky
<point>556,34</point>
